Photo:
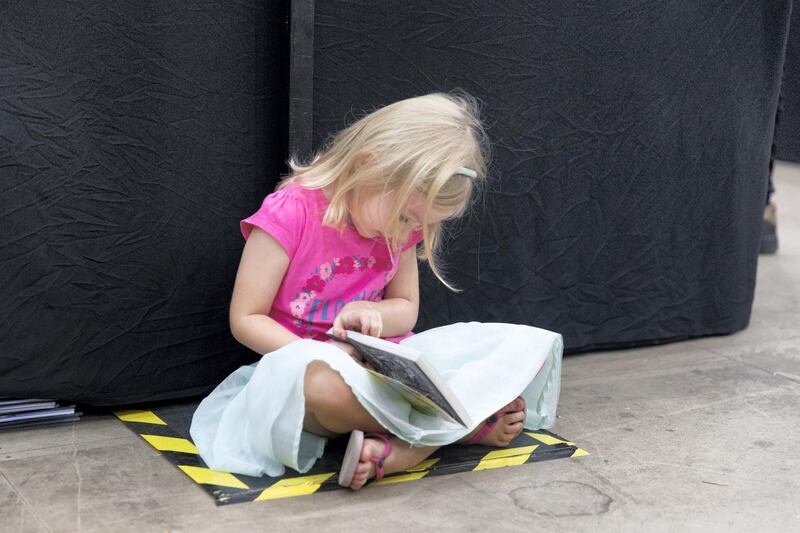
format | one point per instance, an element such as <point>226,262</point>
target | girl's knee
<point>325,386</point>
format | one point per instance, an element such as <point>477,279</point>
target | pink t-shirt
<point>326,270</point>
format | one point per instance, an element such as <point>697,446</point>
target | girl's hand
<point>358,316</point>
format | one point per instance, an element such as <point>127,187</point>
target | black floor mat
<point>166,428</point>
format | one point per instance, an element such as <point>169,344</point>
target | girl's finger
<point>338,328</point>
<point>348,321</point>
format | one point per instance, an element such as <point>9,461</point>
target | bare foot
<point>403,456</point>
<point>507,427</point>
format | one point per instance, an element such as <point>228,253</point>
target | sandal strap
<point>379,459</point>
<point>486,429</point>
<point>491,422</point>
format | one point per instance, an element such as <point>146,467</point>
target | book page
<point>418,401</point>
<point>407,372</point>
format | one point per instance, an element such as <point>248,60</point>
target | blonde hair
<point>413,145</point>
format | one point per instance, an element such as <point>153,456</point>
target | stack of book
<point>23,413</point>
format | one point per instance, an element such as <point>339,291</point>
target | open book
<point>408,372</point>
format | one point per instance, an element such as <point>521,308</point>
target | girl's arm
<point>261,269</point>
<point>396,314</point>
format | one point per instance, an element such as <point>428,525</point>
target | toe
<point>360,477</point>
<point>514,406</point>
<point>511,407</point>
<point>514,429</point>
<point>367,470</point>
<point>519,403</point>
<point>514,417</point>
<point>503,441</point>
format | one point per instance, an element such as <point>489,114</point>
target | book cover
<point>23,405</point>
<point>409,373</point>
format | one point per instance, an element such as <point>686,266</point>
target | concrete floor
<point>701,436</point>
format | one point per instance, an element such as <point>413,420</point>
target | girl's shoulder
<point>293,200</point>
<point>286,214</point>
<point>297,194</point>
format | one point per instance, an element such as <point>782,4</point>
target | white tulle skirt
<point>252,423</point>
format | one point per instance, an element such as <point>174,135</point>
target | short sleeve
<point>283,215</point>
<point>415,239</point>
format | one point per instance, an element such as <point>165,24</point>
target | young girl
<point>336,246</point>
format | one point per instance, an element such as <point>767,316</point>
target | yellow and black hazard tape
<point>167,430</point>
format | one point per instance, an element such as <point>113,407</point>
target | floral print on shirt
<point>324,274</point>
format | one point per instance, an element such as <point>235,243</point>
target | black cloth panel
<point>133,138</point>
<point>787,129</point>
<point>631,153</point>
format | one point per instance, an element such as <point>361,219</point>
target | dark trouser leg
<point>771,188</point>
<point>769,233</point>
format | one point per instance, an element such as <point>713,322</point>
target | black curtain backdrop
<point>631,146</point>
<point>133,138</point>
<point>787,132</point>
